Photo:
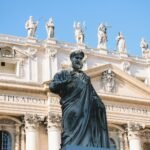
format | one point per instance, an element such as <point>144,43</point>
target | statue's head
<point>76,58</point>
<point>51,20</point>
<point>31,18</point>
<point>78,24</point>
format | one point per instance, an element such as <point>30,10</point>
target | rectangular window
<point>9,68</point>
<point>2,63</point>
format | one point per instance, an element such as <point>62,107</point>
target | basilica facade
<point>30,115</point>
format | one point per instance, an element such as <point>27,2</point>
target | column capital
<point>53,120</point>
<point>134,126</point>
<point>32,121</point>
<point>134,135</point>
<point>134,129</point>
<point>51,52</point>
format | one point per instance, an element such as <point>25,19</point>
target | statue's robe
<point>83,113</point>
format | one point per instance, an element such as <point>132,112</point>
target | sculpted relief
<point>108,81</point>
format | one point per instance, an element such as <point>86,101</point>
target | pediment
<point>16,52</point>
<point>110,80</point>
<point>7,52</point>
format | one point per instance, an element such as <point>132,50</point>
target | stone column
<point>22,138</point>
<point>31,126</point>
<point>121,140</point>
<point>54,131</point>
<point>17,139</point>
<point>126,144</point>
<point>134,136</point>
<point>18,69</point>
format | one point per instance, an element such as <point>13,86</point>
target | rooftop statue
<point>121,44</point>
<point>144,45</point>
<point>79,33</point>
<point>84,120</point>
<point>31,26</point>
<point>102,36</point>
<point>144,48</point>
<point>50,28</point>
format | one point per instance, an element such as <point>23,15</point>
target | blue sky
<point>131,17</point>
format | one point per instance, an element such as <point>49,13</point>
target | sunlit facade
<point>30,115</point>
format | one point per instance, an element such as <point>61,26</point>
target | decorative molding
<point>54,120</point>
<point>108,81</point>
<point>126,67</point>
<point>28,52</point>
<point>51,52</point>
<point>133,126</point>
<point>7,52</point>
<point>145,134</point>
<point>7,121</point>
<point>134,130</point>
<point>32,121</point>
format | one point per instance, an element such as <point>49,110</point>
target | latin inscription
<point>126,109</point>
<point>54,100</point>
<point>21,99</point>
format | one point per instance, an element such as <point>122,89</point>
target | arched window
<point>112,144</point>
<point>5,140</point>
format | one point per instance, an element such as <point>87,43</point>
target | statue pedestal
<point>71,147</point>
<point>31,40</point>
<point>51,41</point>
<point>81,46</point>
<point>102,51</point>
<point>123,54</point>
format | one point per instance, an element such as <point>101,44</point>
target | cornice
<point>22,87</point>
<point>124,99</point>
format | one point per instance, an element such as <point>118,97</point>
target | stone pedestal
<point>123,54</point>
<point>51,41</point>
<point>31,40</point>
<point>69,147</point>
<point>81,46</point>
<point>102,51</point>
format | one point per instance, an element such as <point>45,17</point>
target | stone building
<point>30,115</point>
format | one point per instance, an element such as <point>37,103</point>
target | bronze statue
<point>84,120</point>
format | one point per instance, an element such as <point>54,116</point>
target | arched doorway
<point>5,141</point>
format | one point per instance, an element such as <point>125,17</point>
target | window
<point>6,67</point>
<point>5,141</point>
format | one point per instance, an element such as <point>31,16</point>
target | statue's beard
<point>77,66</point>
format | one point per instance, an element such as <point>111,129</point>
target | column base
<point>71,147</point>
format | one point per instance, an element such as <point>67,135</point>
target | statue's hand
<point>67,80</point>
